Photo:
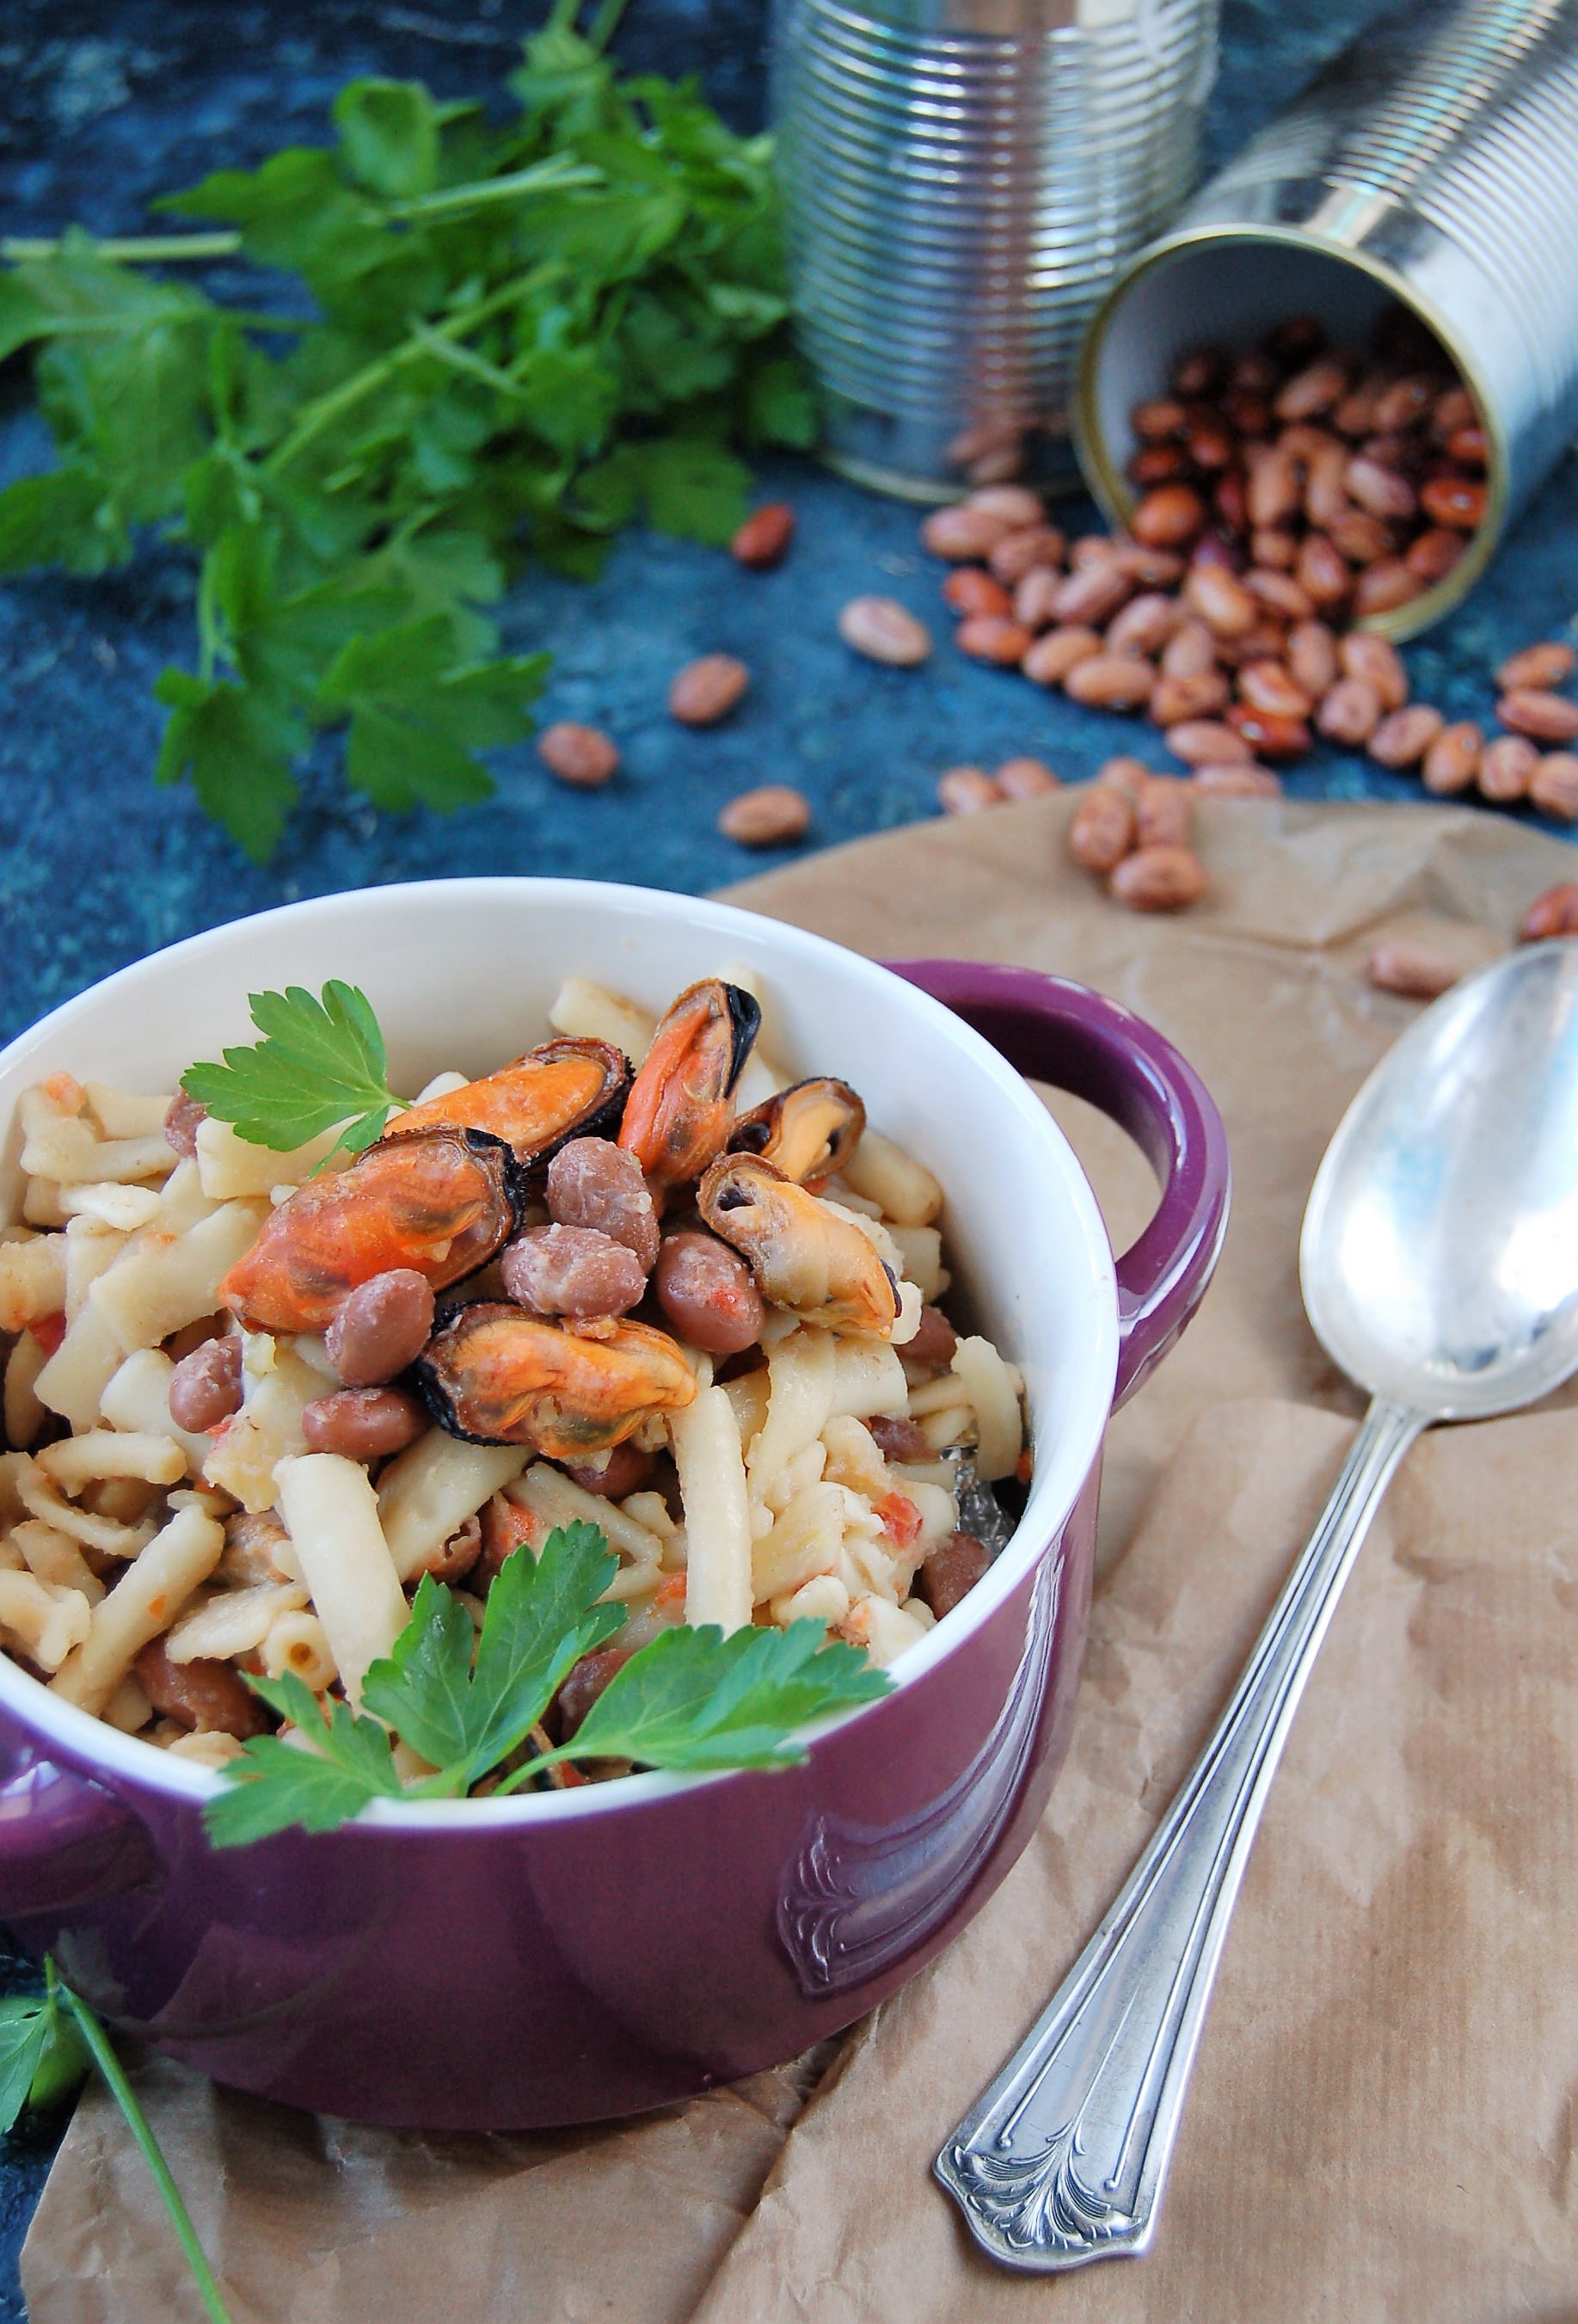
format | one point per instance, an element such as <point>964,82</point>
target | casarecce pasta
<point>635,1277</point>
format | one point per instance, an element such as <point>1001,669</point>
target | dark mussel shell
<point>809,1131</point>
<point>440,1200</point>
<point>565,1089</point>
<point>681,1106</point>
<point>495,1375</point>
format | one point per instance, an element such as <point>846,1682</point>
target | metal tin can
<point>1434,162</point>
<point>960,180</point>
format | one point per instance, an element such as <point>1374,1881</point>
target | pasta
<point>174,1500</point>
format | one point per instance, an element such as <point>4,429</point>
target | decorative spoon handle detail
<point>1063,2159</point>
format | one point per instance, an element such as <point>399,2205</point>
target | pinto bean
<point>1162,818</point>
<point>968,590</point>
<point>594,1183</point>
<point>1023,779</point>
<point>1322,573</point>
<point>1554,914</point>
<point>627,1470</point>
<point>1546,717</point>
<point>558,1270</point>
<point>899,1439</point>
<point>1019,553</point>
<point>885,632</point>
<point>382,1325</point>
<point>1152,568</point>
<point>962,532</point>
<point>1270,685</point>
<point>1432,556</point>
<point>1402,739</point>
<point>1361,538</point>
<point>364,1424</point>
<point>1093,594</point>
<point>580,1690</point>
<point>1156,464</point>
<point>1238,779</point>
<point>1362,654</point>
<point>1110,681</point>
<point>967,790</point>
<point>1103,830</point>
<point>1379,489</point>
<point>1350,712</point>
<point>1144,625</point>
<point>1553,785</point>
<point>1016,504</point>
<point>1507,769</point>
<point>1271,496</point>
<point>948,1573</point>
<point>1176,701</point>
<point>1411,969</point>
<point>1162,417</point>
<point>1313,389</point>
<point>1189,653</point>
<point>1124,774</point>
<point>1325,489</point>
<point>205,1387</point>
<point>1541,667</point>
<point>1457,502</point>
<point>1169,517</point>
<point>1274,551</point>
<point>1453,760</point>
<point>995,637</point>
<point>1382,587</point>
<point>1222,602</point>
<point>1268,734</point>
<point>180,1123</point>
<point>1279,594</point>
<point>202,1694</point>
<point>1051,658</point>
<point>931,1350</point>
<point>707,689</point>
<point>1312,657</point>
<point>582,756</point>
<point>768,816</point>
<point>1453,408</point>
<point>1203,743</point>
<point>763,540</point>
<point>1158,880</point>
<point>1198,373</point>
<point>708,1293</point>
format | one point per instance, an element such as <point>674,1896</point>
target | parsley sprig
<point>690,1701</point>
<point>320,1062</point>
<point>499,341</point>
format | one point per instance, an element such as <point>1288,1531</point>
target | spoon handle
<point>1063,2159</point>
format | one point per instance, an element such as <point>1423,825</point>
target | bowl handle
<point>65,1840</point>
<point>1080,1041</point>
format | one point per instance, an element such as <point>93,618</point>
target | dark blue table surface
<point>105,107</point>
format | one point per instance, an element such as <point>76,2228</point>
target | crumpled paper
<point>1383,2113</point>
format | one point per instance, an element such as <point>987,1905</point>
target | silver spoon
<point>1439,1265</point>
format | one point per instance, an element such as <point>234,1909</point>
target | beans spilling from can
<point>1285,495</point>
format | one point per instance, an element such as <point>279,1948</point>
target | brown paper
<point>1382,2117</point>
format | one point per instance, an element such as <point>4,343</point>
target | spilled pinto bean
<point>1103,830</point>
<point>1554,914</point>
<point>382,1325</point>
<point>363,1423</point>
<point>594,1183</point>
<point>579,1271</point>
<point>201,1694</point>
<point>205,1387</point>
<point>708,1293</point>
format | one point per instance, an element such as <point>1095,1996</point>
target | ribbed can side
<point>956,204</point>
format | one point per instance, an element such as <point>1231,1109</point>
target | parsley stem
<point>132,250</point>
<point>560,173</point>
<point>324,410</point>
<point>137,2123</point>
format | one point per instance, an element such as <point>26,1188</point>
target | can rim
<point>1110,487</point>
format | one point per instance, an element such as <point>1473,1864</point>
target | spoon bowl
<point>1439,1258</point>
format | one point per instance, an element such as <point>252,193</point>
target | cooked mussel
<point>565,1089</point>
<point>802,1253</point>
<point>807,1132</point>
<point>681,1106</point>
<point>441,1201</point>
<point>498,1376</point>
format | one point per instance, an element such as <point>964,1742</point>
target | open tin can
<point>1435,161</point>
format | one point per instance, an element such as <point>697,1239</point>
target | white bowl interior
<point>462,974</point>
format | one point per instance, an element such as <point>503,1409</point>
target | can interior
<point>1232,289</point>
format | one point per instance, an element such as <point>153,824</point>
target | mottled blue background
<point>101,108</point>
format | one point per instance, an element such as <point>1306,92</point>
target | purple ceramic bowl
<point>542,1960</point>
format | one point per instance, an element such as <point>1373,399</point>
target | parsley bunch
<point>689,1699</point>
<point>520,340</point>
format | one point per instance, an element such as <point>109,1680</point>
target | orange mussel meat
<point>499,1376</point>
<point>809,1131</point>
<point>565,1089</point>
<point>441,1201</point>
<point>681,1105</point>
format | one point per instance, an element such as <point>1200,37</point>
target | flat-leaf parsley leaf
<point>320,1063</point>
